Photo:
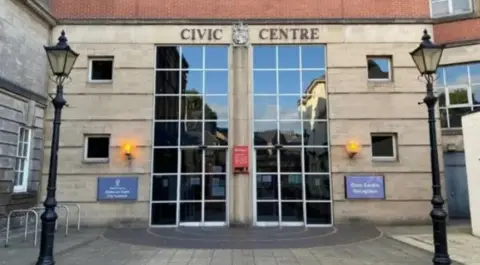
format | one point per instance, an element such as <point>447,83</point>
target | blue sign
<point>117,188</point>
<point>364,187</point>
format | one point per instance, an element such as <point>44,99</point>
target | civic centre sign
<point>364,187</point>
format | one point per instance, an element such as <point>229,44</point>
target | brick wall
<point>454,31</point>
<point>239,9</point>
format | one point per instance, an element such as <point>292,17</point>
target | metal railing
<point>26,211</point>
<point>67,214</point>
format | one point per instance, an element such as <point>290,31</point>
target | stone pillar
<point>240,134</point>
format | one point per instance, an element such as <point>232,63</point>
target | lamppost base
<point>45,261</point>
<point>442,260</point>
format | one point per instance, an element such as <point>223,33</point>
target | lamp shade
<point>427,55</point>
<point>61,57</point>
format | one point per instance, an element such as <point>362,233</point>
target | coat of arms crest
<point>240,34</point>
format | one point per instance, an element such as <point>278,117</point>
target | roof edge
<point>44,14</point>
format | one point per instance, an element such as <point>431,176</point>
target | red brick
<point>462,30</point>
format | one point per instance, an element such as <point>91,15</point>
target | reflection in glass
<point>315,133</point>
<point>288,56</point>
<point>191,187</point>
<point>265,133</point>
<point>216,107</point>
<point>215,187</point>
<point>191,160</point>
<point>291,159</point>
<point>190,212</point>
<point>443,118</point>
<point>164,188</point>
<point>317,187</point>
<point>264,82</point>
<point>216,82</point>
<point>166,134</point>
<point>455,116</point>
<point>265,107</point>
<point>191,133</point>
<point>165,160</point>
<point>292,212</point>
<point>456,75</point>
<point>168,57</point>
<point>215,160</point>
<point>313,82</point>
<point>439,81</point>
<point>167,107</point>
<point>264,57</point>
<point>313,56</point>
<point>267,188</point>
<point>216,57</point>
<point>475,73</point>
<point>290,132</point>
<point>316,160</point>
<point>215,212</point>
<point>267,212</point>
<point>167,82</point>
<point>193,55</point>
<point>192,107</point>
<point>266,160</point>
<point>288,107</point>
<point>476,95</point>
<point>289,82</point>
<point>192,82</point>
<point>291,186</point>
<point>458,96</point>
<point>378,68</point>
<point>319,213</point>
<point>164,213</point>
<point>220,132</point>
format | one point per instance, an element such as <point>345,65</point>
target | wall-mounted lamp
<point>127,150</point>
<point>352,147</point>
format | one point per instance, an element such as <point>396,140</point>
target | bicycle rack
<point>26,211</point>
<point>67,213</point>
<point>78,212</point>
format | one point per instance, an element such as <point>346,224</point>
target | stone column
<point>240,134</point>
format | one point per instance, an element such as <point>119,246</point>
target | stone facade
<point>24,29</point>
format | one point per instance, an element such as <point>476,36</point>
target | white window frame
<point>450,8</point>
<point>394,143</point>
<point>85,148</point>
<point>90,68</point>
<point>469,96</point>
<point>390,68</point>
<point>25,171</point>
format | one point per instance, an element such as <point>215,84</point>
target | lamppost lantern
<point>61,57</point>
<point>427,55</point>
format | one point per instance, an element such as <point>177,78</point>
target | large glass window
<point>443,8</point>
<point>291,135</point>
<point>190,135</point>
<point>458,89</point>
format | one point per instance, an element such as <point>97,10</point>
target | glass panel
<point>23,162</point>
<point>191,187</point>
<point>266,160</point>
<point>288,107</point>
<point>316,160</point>
<point>164,188</point>
<point>166,108</point>
<point>264,82</point>
<point>267,212</point>
<point>264,57</point>
<point>458,96</point>
<point>317,187</point>
<point>382,146</point>
<point>25,135</point>
<point>166,134</point>
<point>215,187</point>
<point>168,57</point>
<point>191,161</point>
<point>216,57</point>
<point>475,73</point>
<point>461,6</point>
<point>288,57</point>
<point>455,116</point>
<point>267,188</point>
<point>315,133</point>
<point>192,57</point>
<point>443,118</point>
<point>216,107</point>
<point>164,213</point>
<point>216,82</point>
<point>192,107</point>
<point>265,133</point>
<point>165,160</point>
<point>313,82</point>
<point>440,93</point>
<point>265,107</point>
<point>289,82</point>
<point>318,213</point>
<point>439,81</point>
<point>291,186</point>
<point>313,56</point>
<point>215,160</point>
<point>291,159</point>
<point>292,212</point>
<point>167,82</point>
<point>19,178</point>
<point>18,163</point>
<point>476,95</point>
<point>440,8</point>
<point>456,75</point>
<point>19,148</point>
<point>290,132</point>
<point>220,132</point>
<point>191,133</point>
<point>190,212</point>
<point>314,106</point>
<point>378,68</point>
<point>215,212</point>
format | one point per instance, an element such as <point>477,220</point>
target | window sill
<point>454,17</point>
<point>451,131</point>
<point>384,159</point>
<point>99,82</point>
<point>96,161</point>
<point>23,194</point>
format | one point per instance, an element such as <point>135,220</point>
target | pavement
<point>392,245</point>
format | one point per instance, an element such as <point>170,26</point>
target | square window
<point>100,69</point>
<point>379,68</point>
<point>97,148</point>
<point>384,147</point>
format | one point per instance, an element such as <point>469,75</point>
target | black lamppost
<point>61,58</point>
<point>427,57</point>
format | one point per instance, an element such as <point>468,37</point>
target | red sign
<point>240,156</point>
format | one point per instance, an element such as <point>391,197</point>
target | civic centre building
<point>192,117</point>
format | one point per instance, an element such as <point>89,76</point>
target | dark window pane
<point>166,108</point>
<point>98,147</point>
<point>267,212</point>
<point>165,160</point>
<point>291,186</point>
<point>290,132</point>
<point>267,188</point>
<point>191,133</point>
<point>292,212</point>
<point>164,213</point>
<point>216,57</point>
<point>215,160</point>
<point>164,188</point>
<point>378,68</point>
<point>167,82</point>
<point>316,160</point>
<point>190,212</point>
<point>215,212</point>
<point>319,213</point>
<point>168,57</point>
<point>192,57</point>
<point>441,97</point>
<point>216,133</point>
<point>315,133</point>
<point>266,160</point>
<point>476,95</point>
<point>191,161</point>
<point>215,187</point>
<point>291,160</point>
<point>455,116</point>
<point>192,107</point>
<point>317,187</point>
<point>382,146</point>
<point>191,187</point>
<point>443,118</point>
<point>166,134</point>
<point>101,70</point>
<point>265,133</point>
<point>313,56</point>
